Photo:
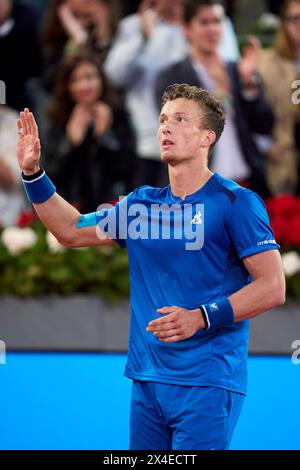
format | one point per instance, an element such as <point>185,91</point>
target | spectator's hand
<point>100,18</point>
<point>177,324</point>
<point>102,117</point>
<point>148,17</point>
<point>249,61</point>
<point>77,125</point>
<point>29,147</point>
<point>7,176</point>
<point>71,25</point>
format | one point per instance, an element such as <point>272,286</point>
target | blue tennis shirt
<point>187,253</point>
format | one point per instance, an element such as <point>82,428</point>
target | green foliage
<point>293,286</point>
<point>36,271</point>
<point>100,270</point>
<point>265,29</point>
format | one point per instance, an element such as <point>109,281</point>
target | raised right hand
<point>148,17</point>
<point>29,147</point>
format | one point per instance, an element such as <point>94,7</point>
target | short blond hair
<point>213,117</point>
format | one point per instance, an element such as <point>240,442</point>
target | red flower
<point>292,235</point>
<point>285,206</point>
<point>284,212</point>
<point>278,225</point>
<point>114,201</point>
<point>26,218</point>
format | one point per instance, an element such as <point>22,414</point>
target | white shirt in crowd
<point>134,64</point>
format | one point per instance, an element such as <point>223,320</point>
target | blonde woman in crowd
<point>89,145</point>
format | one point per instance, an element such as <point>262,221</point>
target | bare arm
<point>57,215</point>
<point>61,218</point>
<point>267,289</point>
<point>265,292</point>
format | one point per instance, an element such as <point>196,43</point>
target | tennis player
<point>203,261</point>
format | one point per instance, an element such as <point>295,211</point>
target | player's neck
<point>187,179</point>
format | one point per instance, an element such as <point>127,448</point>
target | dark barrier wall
<point>88,323</point>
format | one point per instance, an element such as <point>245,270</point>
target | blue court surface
<point>81,401</point>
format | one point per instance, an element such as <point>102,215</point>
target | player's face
<point>205,29</point>
<point>180,134</point>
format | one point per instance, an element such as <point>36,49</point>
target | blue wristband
<point>38,187</point>
<point>217,314</point>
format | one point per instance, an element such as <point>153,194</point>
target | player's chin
<point>167,157</point>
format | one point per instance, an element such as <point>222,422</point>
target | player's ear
<point>209,139</point>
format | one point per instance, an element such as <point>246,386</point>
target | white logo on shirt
<point>197,220</point>
<point>267,242</point>
<point>214,306</point>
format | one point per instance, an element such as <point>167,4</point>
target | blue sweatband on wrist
<point>38,187</point>
<point>217,314</point>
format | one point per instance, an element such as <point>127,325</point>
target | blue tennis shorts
<point>176,417</point>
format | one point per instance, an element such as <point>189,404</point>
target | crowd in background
<point>94,77</point>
